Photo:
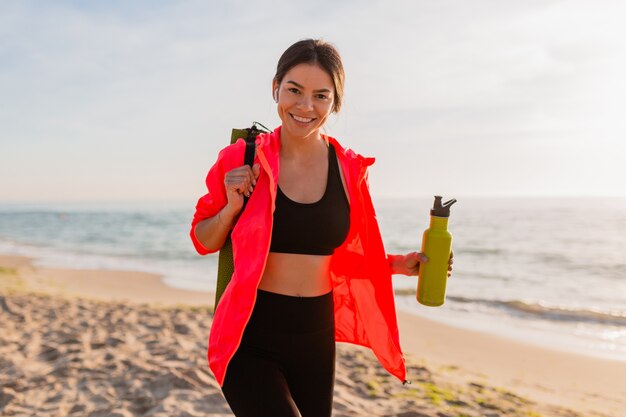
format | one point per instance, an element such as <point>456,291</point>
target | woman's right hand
<point>213,231</point>
<point>240,182</point>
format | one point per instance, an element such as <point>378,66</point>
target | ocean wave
<point>479,251</point>
<point>548,312</point>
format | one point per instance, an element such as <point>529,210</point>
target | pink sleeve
<point>215,199</point>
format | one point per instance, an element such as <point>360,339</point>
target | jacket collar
<point>269,144</point>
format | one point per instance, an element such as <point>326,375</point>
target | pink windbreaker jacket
<point>363,296</point>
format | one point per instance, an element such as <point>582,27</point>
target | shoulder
<point>228,158</point>
<point>348,155</point>
<point>232,155</point>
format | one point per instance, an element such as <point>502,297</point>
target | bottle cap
<point>441,210</point>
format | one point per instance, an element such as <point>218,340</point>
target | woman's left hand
<point>409,264</point>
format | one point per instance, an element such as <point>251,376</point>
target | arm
<point>211,232</point>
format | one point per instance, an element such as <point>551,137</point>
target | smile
<point>301,119</point>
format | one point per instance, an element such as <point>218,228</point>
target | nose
<point>305,102</point>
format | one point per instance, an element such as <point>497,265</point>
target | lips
<point>301,119</point>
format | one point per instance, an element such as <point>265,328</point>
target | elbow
<point>200,247</point>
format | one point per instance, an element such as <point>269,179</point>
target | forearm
<point>393,261</point>
<point>212,232</point>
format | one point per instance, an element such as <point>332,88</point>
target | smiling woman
<point>305,99</point>
<point>315,53</point>
<point>310,266</point>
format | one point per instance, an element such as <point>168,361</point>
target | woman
<point>310,267</point>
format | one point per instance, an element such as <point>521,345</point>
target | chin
<point>302,131</point>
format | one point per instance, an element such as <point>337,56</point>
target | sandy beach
<point>118,343</point>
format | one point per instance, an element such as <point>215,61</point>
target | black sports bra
<point>313,228</point>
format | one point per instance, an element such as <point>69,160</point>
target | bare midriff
<point>297,275</point>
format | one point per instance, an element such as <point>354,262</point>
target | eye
<point>294,90</point>
<point>322,97</point>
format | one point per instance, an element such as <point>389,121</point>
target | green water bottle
<point>436,245</point>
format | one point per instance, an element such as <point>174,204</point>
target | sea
<point>546,271</point>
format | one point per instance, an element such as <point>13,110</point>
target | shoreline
<point>552,337</point>
<point>557,339</point>
<point>554,378</point>
<point>138,287</point>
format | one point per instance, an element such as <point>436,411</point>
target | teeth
<point>301,119</point>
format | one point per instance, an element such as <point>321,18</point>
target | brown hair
<point>314,51</point>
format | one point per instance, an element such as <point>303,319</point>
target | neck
<point>294,146</point>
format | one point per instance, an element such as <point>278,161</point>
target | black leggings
<point>285,365</point>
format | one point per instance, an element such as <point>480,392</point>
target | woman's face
<point>305,99</point>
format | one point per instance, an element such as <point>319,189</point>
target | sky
<point>132,101</point>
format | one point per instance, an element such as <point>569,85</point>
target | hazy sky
<point>125,100</point>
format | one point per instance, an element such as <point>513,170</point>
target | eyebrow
<point>323,90</point>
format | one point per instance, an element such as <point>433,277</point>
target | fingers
<point>412,262</point>
<point>421,257</point>
<point>416,257</point>
<point>239,183</point>
<point>242,180</point>
<point>256,171</point>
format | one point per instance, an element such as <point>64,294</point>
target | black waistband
<point>279,313</point>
